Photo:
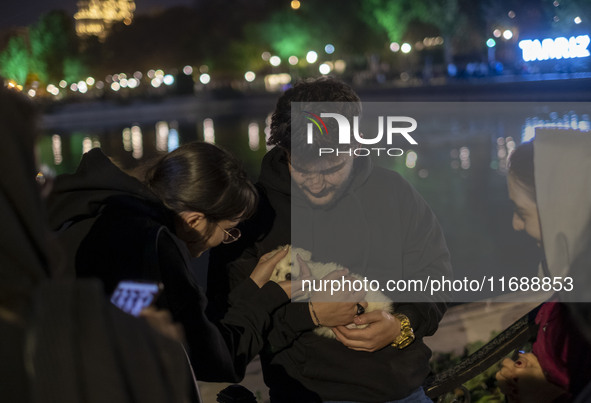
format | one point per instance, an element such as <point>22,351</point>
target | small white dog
<point>289,268</point>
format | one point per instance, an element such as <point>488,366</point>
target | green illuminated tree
<point>290,33</point>
<point>391,16</point>
<point>446,16</point>
<point>52,41</point>
<point>15,60</point>
<point>43,55</point>
<point>394,17</point>
<point>73,69</point>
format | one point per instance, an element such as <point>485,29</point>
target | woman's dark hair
<point>202,177</point>
<point>521,166</point>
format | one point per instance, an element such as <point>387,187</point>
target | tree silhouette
<point>15,59</point>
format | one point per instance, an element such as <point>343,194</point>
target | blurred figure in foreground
<point>62,340</point>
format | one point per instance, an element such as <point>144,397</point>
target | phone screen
<point>133,296</point>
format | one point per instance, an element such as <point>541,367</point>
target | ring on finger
<point>360,309</point>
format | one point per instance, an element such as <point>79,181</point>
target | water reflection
<point>208,131</point>
<point>411,159</point>
<point>253,136</point>
<point>162,132</point>
<point>173,139</point>
<point>464,157</point>
<point>56,147</point>
<point>137,142</point>
<point>126,137</point>
<point>553,120</point>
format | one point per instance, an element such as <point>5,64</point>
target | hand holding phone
<point>133,296</point>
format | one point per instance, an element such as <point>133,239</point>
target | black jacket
<point>380,226</point>
<point>117,229</point>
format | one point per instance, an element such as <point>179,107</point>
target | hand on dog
<point>382,328</point>
<point>264,268</point>
<point>523,381</point>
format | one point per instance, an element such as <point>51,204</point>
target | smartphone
<point>133,296</point>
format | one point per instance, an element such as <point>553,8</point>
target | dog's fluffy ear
<point>304,254</point>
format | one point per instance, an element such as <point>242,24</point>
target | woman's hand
<point>523,381</point>
<point>264,268</point>
<point>507,379</point>
<point>161,321</point>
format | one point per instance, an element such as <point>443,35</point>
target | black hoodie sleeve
<point>425,253</point>
<point>220,350</point>
<point>294,318</point>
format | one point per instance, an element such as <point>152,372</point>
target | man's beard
<point>338,193</point>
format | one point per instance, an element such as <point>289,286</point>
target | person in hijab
<point>549,183</point>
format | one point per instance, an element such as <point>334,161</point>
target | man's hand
<point>330,313</point>
<point>382,328</point>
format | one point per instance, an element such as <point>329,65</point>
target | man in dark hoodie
<point>344,210</point>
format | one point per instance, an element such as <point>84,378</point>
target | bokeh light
<point>168,79</point>
<point>249,76</point>
<point>311,57</point>
<point>204,78</point>
<point>275,61</point>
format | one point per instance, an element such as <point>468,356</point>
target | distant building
<point>95,17</point>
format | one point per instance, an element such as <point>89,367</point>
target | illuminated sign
<point>558,48</point>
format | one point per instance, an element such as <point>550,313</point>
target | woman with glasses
<point>117,227</point>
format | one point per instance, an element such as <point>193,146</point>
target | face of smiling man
<point>324,180</point>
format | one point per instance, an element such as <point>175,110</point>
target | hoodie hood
<point>84,192</point>
<point>562,163</point>
<point>275,171</point>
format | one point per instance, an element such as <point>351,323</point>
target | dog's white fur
<point>288,268</point>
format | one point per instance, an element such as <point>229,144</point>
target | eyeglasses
<point>231,235</point>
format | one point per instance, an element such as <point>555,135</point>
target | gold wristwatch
<point>406,335</point>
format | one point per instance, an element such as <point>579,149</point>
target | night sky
<point>25,12</point>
